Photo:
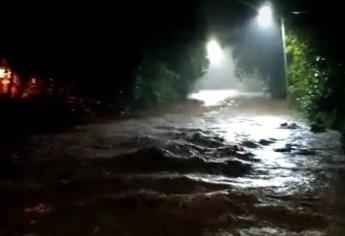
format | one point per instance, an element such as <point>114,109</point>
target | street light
<point>265,16</point>
<point>265,19</point>
<point>214,51</point>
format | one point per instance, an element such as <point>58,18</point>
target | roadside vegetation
<point>168,71</point>
<point>316,82</point>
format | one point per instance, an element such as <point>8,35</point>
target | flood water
<point>240,164</point>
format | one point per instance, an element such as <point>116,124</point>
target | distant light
<point>298,12</point>
<point>214,52</point>
<point>265,17</point>
<point>2,73</point>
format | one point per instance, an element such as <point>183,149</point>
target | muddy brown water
<point>227,169</point>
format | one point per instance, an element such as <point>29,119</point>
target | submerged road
<point>240,164</point>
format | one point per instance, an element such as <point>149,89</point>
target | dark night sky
<point>92,39</point>
<point>87,40</point>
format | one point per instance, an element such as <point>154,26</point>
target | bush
<point>155,83</point>
<point>316,83</point>
<point>168,71</point>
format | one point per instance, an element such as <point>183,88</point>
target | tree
<point>169,70</point>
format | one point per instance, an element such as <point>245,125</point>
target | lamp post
<point>265,19</point>
<point>283,36</point>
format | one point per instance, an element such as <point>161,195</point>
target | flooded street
<point>241,164</point>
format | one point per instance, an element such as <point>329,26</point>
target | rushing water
<point>227,168</point>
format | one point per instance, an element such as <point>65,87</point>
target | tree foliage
<point>306,77</point>
<point>155,82</point>
<point>168,71</point>
<point>316,82</point>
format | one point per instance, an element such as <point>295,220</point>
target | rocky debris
<point>317,128</point>
<point>297,150</point>
<point>287,125</point>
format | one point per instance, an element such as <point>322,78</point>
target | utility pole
<point>286,76</point>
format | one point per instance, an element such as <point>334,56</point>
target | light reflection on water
<point>213,97</point>
<point>284,171</point>
<point>277,168</point>
<point>216,97</point>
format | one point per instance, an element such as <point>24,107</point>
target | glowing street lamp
<point>265,16</point>
<point>214,52</point>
